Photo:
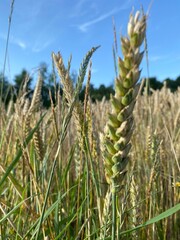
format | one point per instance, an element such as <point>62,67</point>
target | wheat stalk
<point>71,92</point>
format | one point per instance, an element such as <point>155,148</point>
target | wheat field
<point>54,178</point>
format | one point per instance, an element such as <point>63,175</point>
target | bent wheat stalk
<point>116,140</point>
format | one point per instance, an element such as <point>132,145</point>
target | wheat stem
<point>113,237</point>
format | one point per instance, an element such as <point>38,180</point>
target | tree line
<point>50,83</point>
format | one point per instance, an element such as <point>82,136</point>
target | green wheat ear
<point>116,139</point>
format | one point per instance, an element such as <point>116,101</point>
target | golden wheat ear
<point>119,128</point>
<point>34,107</point>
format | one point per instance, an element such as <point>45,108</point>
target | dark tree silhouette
<point>11,91</point>
<point>48,87</point>
<point>155,84</point>
<point>20,79</point>
<point>6,89</point>
<point>173,85</point>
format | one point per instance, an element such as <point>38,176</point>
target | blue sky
<point>40,27</point>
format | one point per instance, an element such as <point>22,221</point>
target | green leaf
<point>12,211</point>
<point>19,153</point>
<point>161,216</point>
<point>15,182</point>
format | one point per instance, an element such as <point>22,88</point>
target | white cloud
<point>19,43</point>
<point>38,47</point>
<point>84,27</point>
<point>79,9</point>
<point>156,58</point>
<point>13,40</point>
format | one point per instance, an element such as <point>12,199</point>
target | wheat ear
<point>118,130</point>
<point>35,104</point>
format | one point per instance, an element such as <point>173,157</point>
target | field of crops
<point>83,170</point>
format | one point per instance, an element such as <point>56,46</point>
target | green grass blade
<point>14,209</point>
<point>71,219</point>
<point>15,182</point>
<point>19,153</point>
<point>46,214</point>
<point>161,216</point>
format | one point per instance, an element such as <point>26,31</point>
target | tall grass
<point>53,183</point>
